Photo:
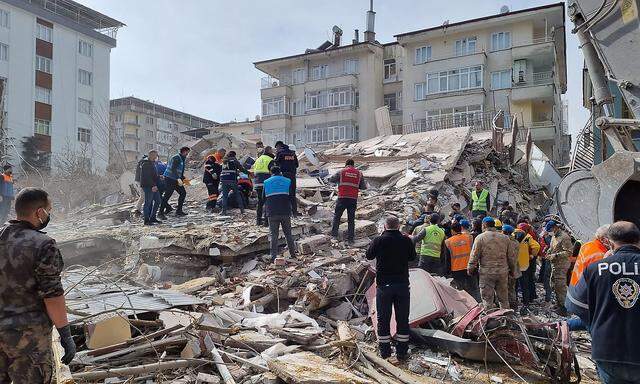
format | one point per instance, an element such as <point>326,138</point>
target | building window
<point>43,95</point>
<point>148,147</point>
<point>43,32</point>
<point>316,100</point>
<point>500,40</point>
<point>42,127</point>
<point>501,79</point>
<point>340,97</point>
<point>391,101</point>
<point>43,64</point>
<point>351,66</point>
<point>84,106</point>
<point>85,48</point>
<point>298,76</point>
<point>297,107</point>
<point>4,52</point>
<point>322,134</point>
<point>85,77</point>
<point>148,134</point>
<point>319,72</point>
<point>84,135</point>
<point>390,69</point>
<point>149,120</point>
<point>4,18</point>
<point>423,54</point>
<point>454,80</point>
<point>274,106</point>
<point>419,91</point>
<point>465,46</point>
<point>470,115</point>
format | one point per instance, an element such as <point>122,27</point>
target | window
<point>148,134</point>
<point>390,69</point>
<point>149,120</point>
<point>465,46</point>
<point>4,52</point>
<point>340,97</point>
<point>351,66</point>
<point>500,40</point>
<point>84,106</point>
<point>391,100</point>
<point>316,100</point>
<point>42,127</point>
<point>85,77</point>
<point>43,95</point>
<point>454,80</point>
<point>274,106</point>
<point>501,79</point>
<point>423,54</point>
<point>419,91</point>
<point>43,32</point>
<point>148,147</point>
<point>85,48</point>
<point>298,76</point>
<point>469,115</point>
<point>4,18</point>
<point>84,135</point>
<point>319,72</point>
<point>297,107</point>
<point>331,132</point>
<point>43,64</point>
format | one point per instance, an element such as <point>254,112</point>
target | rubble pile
<point>192,300</point>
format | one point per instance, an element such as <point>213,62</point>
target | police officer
<point>287,160</point>
<point>392,251</point>
<point>432,248</point>
<point>276,191</point>
<point>558,254</point>
<point>350,181</point>
<point>31,294</point>
<point>480,199</point>
<point>261,172</point>
<point>458,252</point>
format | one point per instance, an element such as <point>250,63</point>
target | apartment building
<point>456,74</point>
<point>55,63</point>
<point>138,126</point>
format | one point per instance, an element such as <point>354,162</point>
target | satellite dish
<point>504,9</point>
<point>311,156</point>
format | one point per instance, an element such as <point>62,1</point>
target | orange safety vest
<point>7,178</point>
<point>460,249</point>
<point>590,253</point>
<point>349,185</point>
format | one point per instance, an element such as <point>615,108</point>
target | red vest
<point>349,185</point>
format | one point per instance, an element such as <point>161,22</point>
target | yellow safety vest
<point>479,202</point>
<point>432,242</point>
<point>262,164</point>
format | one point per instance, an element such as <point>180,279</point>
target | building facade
<point>452,75</point>
<point>55,64</point>
<point>138,126</point>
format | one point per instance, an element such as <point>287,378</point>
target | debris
<point>309,368</point>
<point>106,330</point>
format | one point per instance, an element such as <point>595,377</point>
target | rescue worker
<point>350,181</point>
<point>513,294</point>
<point>455,210</point>
<point>432,247</point>
<point>498,224</point>
<point>288,163</point>
<point>231,169</point>
<point>606,299</point>
<point>219,155</point>
<point>577,244</point>
<point>480,200</point>
<point>260,149</point>
<point>558,254</point>
<point>278,207</point>
<point>392,251</point>
<point>149,179</point>
<point>528,249</point>
<point>7,192</point>
<point>466,226</point>
<point>591,252</point>
<point>458,252</point>
<point>429,209</point>
<point>140,201</point>
<point>211,178</point>
<point>531,270</point>
<point>491,257</point>
<point>31,294</point>
<point>507,214</point>
<point>261,172</point>
<point>174,181</point>
<point>162,187</point>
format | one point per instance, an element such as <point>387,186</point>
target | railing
<point>532,41</point>
<point>584,151</point>
<point>544,123</point>
<point>535,78</point>
<point>477,121</point>
<point>131,136</point>
<point>272,82</point>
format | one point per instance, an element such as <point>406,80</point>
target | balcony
<point>536,85</point>
<point>543,130</point>
<point>533,47</point>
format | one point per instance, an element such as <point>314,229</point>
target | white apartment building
<point>55,60</point>
<point>456,74</point>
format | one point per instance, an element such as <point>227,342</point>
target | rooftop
<point>142,106</point>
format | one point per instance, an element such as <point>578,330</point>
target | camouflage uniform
<point>558,253</point>
<point>30,267</point>
<point>513,295</point>
<point>492,253</point>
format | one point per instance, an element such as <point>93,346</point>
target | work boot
<point>181,213</point>
<point>258,221</point>
<point>154,220</point>
<point>147,222</point>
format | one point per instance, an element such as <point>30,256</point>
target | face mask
<point>45,222</point>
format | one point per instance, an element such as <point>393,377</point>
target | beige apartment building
<point>456,74</point>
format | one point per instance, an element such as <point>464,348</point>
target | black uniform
<point>211,179</point>
<point>288,163</point>
<point>392,251</point>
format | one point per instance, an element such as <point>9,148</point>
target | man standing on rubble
<point>231,169</point>
<point>350,181</point>
<point>513,277</point>
<point>606,299</point>
<point>558,254</point>
<point>528,249</point>
<point>174,181</point>
<point>31,294</point>
<point>261,172</point>
<point>149,183</point>
<point>287,160</point>
<point>211,179</point>
<point>432,248</point>
<point>7,193</point>
<point>276,192</point>
<point>392,251</point>
<point>491,257</point>
<point>458,252</point>
<point>480,200</point>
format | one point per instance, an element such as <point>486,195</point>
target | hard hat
<point>497,223</point>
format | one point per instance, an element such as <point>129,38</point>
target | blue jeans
<point>546,280</point>
<point>576,324</point>
<point>226,188</point>
<point>152,201</point>
<point>618,373</point>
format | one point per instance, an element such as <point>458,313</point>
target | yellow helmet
<point>498,224</point>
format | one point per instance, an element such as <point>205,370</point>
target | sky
<point>197,55</point>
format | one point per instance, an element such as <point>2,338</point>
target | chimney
<point>370,34</point>
<point>356,37</point>
<point>337,34</point>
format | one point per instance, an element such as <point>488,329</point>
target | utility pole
<point>4,134</point>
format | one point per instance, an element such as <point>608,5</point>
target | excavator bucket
<point>610,191</point>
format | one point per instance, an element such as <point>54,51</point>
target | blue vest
<point>276,192</point>
<point>179,169</point>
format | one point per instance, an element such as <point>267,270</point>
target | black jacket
<point>148,174</point>
<point>211,168</point>
<point>392,251</point>
<point>287,160</point>
<point>231,168</point>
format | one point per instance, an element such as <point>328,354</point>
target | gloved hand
<point>67,343</point>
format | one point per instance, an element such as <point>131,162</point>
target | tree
<point>34,160</point>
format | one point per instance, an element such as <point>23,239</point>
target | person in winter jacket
<point>211,179</point>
